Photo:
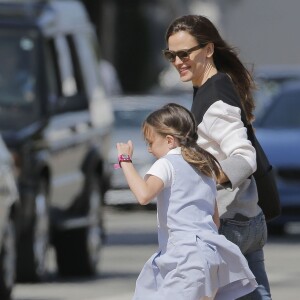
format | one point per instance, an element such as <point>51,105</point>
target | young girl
<point>193,261</point>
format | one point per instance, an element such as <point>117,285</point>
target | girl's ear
<point>171,141</point>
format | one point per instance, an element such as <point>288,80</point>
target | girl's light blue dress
<point>192,260</point>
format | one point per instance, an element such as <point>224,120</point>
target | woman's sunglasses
<point>183,55</point>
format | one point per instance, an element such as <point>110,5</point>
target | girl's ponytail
<point>174,119</point>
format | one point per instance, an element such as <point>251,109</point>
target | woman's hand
<point>125,148</point>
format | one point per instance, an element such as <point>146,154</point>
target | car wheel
<point>8,261</point>
<point>77,250</point>
<point>34,245</point>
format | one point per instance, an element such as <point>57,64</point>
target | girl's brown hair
<point>177,121</point>
<point>225,57</point>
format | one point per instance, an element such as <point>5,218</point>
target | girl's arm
<point>143,189</point>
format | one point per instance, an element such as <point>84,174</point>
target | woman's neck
<point>210,70</point>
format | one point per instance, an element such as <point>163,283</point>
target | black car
<point>56,121</point>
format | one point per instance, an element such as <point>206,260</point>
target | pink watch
<point>122,158</point>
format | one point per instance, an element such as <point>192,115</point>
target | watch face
<point>125,156</point>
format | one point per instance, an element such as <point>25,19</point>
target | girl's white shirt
<point>163,168</point>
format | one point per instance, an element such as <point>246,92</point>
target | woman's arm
<point>143,189</point>
<point>223,125</point>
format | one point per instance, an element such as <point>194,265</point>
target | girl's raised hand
<point>125,148</point>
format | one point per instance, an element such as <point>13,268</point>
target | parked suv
<point>56,121</point>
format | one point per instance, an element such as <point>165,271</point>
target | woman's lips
<point>183,71</point>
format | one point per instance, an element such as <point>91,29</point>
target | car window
<point>72,93</point>
<point>84,43</point>
<point>69,87</point>
<point>267,89</point>
<point>52,74</point>
<point>283,112</point>
<point>100,107</point>
<point>76,66</point>
<point>18,78</point>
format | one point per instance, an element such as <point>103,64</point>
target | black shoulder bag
<point>268,196</point>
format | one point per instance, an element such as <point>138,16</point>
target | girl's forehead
<point>149,132</point>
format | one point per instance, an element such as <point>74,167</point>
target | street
<point>131,240</point>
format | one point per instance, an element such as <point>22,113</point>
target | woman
<point>222,93</point>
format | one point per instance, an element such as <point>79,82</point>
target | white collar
<point>176,150</point>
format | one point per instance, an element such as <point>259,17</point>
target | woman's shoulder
<point>218,88</point>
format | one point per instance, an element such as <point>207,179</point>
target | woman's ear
<point>210,48</point>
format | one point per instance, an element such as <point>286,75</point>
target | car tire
<point>8,261</point>
<point>77,250</point>
<point>34,245</point>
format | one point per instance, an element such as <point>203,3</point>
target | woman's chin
<point>185,75</point>
<point>185,78</point>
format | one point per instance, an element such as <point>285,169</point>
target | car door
<point>66,132</point>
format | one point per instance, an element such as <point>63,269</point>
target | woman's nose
<point>177,61</point>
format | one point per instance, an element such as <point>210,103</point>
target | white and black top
<point>216,107</point>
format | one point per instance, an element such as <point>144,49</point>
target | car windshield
<point>283,111</point>
<point>267,88</point>
<point>18,76</point>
